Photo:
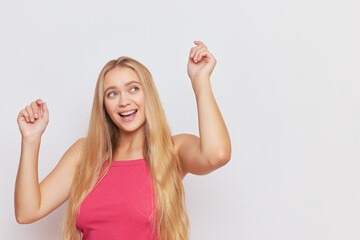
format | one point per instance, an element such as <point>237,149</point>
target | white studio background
<point>286,82</point>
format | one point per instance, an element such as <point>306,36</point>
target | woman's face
<point>122,96</point>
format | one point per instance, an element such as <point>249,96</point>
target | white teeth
<point>127,113</point>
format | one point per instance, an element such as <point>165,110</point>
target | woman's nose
<point>124,100</point>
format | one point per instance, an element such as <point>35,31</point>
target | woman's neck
<point>130,145</point>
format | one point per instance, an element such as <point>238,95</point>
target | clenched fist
<point>33,119</point>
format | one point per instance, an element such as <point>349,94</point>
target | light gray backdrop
<point>286,82</point>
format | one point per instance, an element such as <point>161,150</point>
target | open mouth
<point>128,114</point>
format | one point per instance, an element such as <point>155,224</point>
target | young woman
<point>124,180</point>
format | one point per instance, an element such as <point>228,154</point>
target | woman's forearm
<point>27,188</point>
<point>214,137</point>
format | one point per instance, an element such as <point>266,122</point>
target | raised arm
<point>204,154</point>
<point>32,122</point>
<point>33,201</point>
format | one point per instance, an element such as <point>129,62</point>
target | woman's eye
<point>134,88</point>
<point>110,93</point>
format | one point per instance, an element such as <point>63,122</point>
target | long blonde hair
<point>170,220</point>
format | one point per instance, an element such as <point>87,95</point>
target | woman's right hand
<point>33,119</point>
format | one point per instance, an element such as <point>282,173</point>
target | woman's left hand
<point>204,65</point>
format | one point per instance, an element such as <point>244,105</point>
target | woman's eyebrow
<point>128,83</point>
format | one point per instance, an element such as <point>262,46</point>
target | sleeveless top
<point>120,206</point>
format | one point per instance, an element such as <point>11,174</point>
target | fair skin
<point>198,155</point>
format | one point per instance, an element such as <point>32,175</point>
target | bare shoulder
<point>180,138</point>
<point>73,154</point>
<point>177,141</point>
<point>188,149</point>
<point>78,145</point>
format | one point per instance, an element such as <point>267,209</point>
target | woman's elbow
<point>223,156</point>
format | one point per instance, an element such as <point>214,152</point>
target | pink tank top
<point>119,207</point>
